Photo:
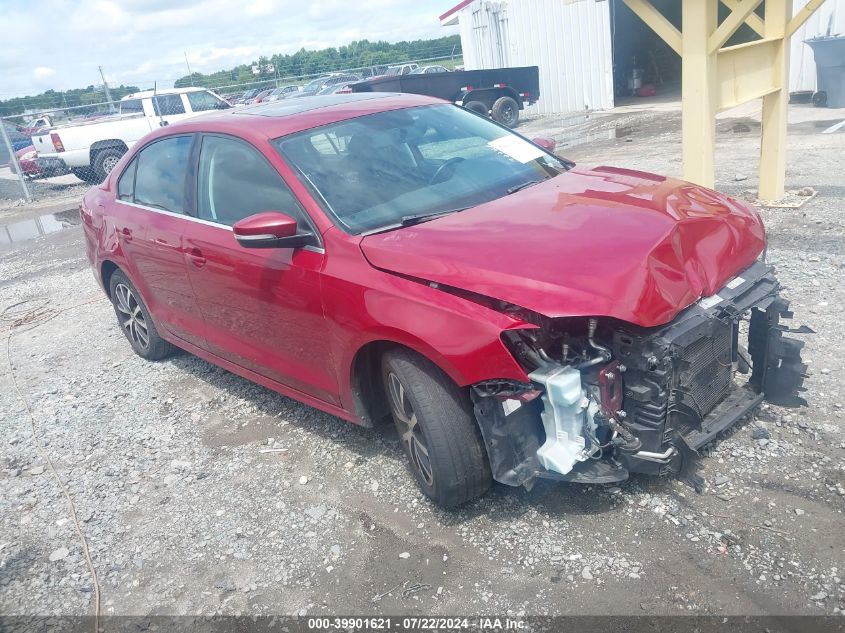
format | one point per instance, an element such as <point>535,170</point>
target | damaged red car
<point>393,256</point>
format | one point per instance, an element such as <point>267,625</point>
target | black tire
<point>441,417</point>
<point>136,326</point>
<point>479,107</point>
<point>105,160</point>
<point>820,99</point>
<point>506,111</point>
<point>85,174</point>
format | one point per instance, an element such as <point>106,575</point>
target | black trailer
<point>499,92</point>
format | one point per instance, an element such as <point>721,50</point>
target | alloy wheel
<point>109,163</point>
<point>131,317</point>
<point>409,429</point>
<point>508,116</point>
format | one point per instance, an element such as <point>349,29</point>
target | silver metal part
<point>604,353</point>
<point>568,418</point>
<point>661,458</point>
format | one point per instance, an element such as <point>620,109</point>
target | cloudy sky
<point>59,43</point>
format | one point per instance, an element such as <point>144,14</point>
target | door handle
<point>126,233</point>
<point>196,257</point>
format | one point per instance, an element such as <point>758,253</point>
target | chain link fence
<point>34,163</point>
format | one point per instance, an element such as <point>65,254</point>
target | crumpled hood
<point>590,242</point>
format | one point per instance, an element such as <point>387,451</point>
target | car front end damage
<point>608,398</point>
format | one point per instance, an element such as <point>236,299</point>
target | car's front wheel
<point>135,320</point>
<point>436,425</point>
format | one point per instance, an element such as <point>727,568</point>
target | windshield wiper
<point>524,185</point>
<point>410,220</point>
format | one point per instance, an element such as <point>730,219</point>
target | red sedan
<point>378,256</point>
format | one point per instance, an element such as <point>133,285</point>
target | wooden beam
<point>699,92</point>
<point>803,15</point>
<point>729,26</point>
<point>754,21</point>
<point>773,137</point>
<point>658,23</point>
<point>745,72</point>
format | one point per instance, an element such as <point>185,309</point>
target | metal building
<point>584,50</point>
<point>570,44</point>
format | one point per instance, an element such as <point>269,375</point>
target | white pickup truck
<point>90,149</point>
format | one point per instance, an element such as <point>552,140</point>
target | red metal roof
<point>456,8</point>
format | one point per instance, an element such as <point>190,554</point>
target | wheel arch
<point>369,401</point>
<point>107,269</point>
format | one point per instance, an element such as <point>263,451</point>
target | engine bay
<point>608,398</point>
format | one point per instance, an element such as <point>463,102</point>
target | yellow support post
<point>699,91</point>
<point>773,138</point>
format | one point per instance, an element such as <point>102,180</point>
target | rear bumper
<point>70,158</point>
<point>50,166</point>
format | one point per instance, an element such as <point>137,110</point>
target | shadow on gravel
<point>500,504</point>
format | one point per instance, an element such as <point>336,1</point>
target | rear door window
<point>161,174</point>
<point>131,106</point>
<point>203,101</point>
<point>167,105</point>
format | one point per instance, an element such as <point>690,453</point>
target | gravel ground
<point>201,493</point>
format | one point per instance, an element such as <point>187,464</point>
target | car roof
<point>280,118</point>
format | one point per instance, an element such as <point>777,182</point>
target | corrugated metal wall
<point>802,67</point>
<point>570,44</point>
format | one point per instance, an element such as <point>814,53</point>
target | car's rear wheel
<point>506,111</point>
<point>135,320</point>
<point>436,425</point>
<point>86,174</point>
<point>105,161</point>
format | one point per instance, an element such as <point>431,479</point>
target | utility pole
<point>190,75</point>
<point>106,86</point>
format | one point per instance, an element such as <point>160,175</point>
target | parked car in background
<point>336,89</point>
<point>245,97</point>
<point>315,86</point>
<point>261,96</point>
<point>402,69</point>
<point>26,161</point>
<point>37,124</point>
<point>427,70</point>
<point>31,168</point>
<point>91,149</point>
<point>18,139</point>
<point>281,93</point>
<point>373,71</point>
<point>518,317</point>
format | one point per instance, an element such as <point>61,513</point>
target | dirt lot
<point>189,481</point>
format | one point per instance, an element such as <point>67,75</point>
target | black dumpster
<point>830,70</point>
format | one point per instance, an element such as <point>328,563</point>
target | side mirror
<point>547,144</point>
<point>270,229</point>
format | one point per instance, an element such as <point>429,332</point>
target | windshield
<point>378,171</point>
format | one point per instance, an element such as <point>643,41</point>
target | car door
<point>149,223</point>
<point>262,307</point>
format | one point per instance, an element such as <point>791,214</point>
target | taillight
<point>57,142</point>
<point>610,388</point>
